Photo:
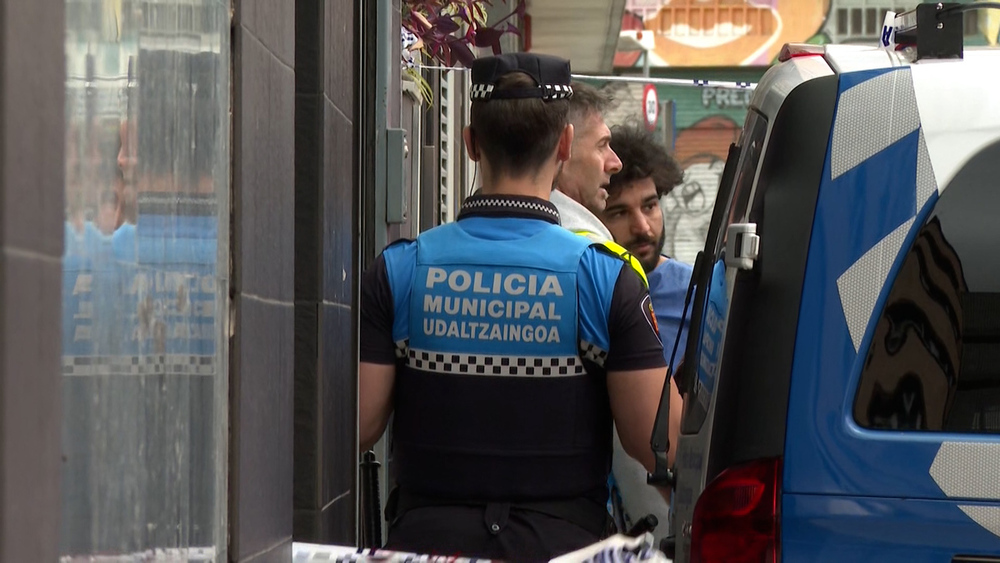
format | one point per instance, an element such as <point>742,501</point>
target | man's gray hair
<point>586,100</point>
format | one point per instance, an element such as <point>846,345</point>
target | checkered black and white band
<point>481,91</point>
<point>480,364</point>
<point>558,91</point>
<point>165,364</point>
<point>518,366</point>
<point>549,92</point>
<point>402,346</point>
<point>480,203</point>
<point>593,353</point>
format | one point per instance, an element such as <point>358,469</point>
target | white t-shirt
<point>576,217</point>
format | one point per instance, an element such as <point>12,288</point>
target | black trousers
<point>495,531</point>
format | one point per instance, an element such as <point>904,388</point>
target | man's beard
<point>650,263</point>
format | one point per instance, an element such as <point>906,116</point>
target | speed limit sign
<point>650,106</point>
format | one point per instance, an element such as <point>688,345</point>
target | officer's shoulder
<point>400,242</point>
<point>580,238</point>
<point>608,250</point>
<point>398,248</point>
<point>615,257</point>
<point>600,254</point>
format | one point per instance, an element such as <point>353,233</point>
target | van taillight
<point>736,519</point>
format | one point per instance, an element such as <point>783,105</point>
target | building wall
<point>31,246</point>
<point>860,21</point>
<point>714,33</point>
<point>261,414</point>
<point>326,199</point>
<point>152,268</point>
<point>722,32</point>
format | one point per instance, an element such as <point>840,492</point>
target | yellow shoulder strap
<point>620,251</point>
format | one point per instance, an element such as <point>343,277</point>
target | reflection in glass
<point>712,335</point>
<point>145,279</point>
<point>913,365</point>
<point>934,362</point>
<point>727,211</point>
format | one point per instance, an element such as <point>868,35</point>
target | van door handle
<point>974,559</point>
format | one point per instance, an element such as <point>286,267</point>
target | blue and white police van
<point>843,375</point>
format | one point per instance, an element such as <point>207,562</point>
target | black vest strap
<point>586,513</point>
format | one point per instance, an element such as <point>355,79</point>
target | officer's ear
<point>469,136</point>
<point>565,146</point>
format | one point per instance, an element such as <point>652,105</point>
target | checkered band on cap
<point>551,74</point>
<point>544,92</point>
<point>495,365</point>
<point>481,91</point>
<point>557,92</point>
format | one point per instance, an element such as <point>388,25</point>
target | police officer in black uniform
<point>506,346</point>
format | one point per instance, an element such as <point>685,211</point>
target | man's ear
<point>469,136</point>
<point>565,146</point>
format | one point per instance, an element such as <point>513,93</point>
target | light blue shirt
<point>668,285</point>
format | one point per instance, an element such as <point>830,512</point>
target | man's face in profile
<point>585,176</point>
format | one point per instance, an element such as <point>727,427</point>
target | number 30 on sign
<point>650,106</point>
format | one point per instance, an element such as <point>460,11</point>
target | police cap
<point>552,75</point>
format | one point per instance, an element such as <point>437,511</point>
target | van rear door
<point>893,438</point>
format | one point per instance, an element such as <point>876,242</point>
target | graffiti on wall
<point>705,121</point>
<point>721,32</point>
<point>701,151</point>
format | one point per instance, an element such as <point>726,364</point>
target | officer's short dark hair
<point>519,109</point>
<point>517,135</point>
<point>643,157</point>
<point>587,100</point>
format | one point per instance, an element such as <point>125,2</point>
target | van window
<point>715,302</point>
<point>934,360</point>
<point>752,144</point>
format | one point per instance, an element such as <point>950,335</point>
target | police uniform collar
<point>499,205</point>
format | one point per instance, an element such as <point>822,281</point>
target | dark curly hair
<point>643,157</point>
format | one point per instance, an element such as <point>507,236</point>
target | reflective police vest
<point>619,250</point>
<point>493,400</point>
